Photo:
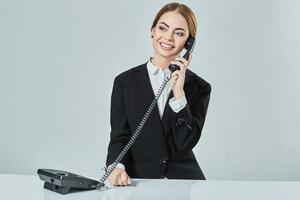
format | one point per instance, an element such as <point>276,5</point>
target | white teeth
<point>165,45</point>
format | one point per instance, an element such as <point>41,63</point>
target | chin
<point>168,55</point>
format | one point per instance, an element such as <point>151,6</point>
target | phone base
<point>57,188</point>
<point>64,182</point>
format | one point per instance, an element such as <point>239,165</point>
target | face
<point>169,35</point>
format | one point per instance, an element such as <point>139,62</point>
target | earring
<point>151,36</point>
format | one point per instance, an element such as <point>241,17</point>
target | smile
<point>165,46</point>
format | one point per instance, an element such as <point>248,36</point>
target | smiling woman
<point>164,147</point>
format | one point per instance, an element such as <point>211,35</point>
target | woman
<point>164,147</point>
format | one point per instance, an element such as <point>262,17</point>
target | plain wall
<point>58,60</point>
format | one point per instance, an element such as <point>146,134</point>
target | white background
<point>58,60</point>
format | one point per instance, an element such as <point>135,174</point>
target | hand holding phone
<point>189,46</point>
<point>177,80</point>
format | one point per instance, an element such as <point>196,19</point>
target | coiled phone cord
<point>134,135</point>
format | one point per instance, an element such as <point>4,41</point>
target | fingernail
<point>129,181</point>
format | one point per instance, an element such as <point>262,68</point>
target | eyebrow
<point>169,26</point>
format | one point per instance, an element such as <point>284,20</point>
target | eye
<point>179,34</point>
<point>162,28</point>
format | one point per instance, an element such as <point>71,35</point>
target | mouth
<point>166,46</point>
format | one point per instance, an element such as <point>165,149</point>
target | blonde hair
<point>182,9</point>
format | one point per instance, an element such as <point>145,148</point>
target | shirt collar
<point>154,69</point>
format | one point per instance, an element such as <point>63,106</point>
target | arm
<point>187,124</point>
<point>120,132</point>
<point>119,136</point>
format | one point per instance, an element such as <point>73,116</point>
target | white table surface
<point>31,187</point>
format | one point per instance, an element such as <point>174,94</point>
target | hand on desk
<point>119,177</point>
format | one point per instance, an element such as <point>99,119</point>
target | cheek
<point>157,36</point>
<point>154,43</point>
<point>180,44</point>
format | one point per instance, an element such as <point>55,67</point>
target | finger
<point>113,178</point>
<point>124,178</point>
<point>172,82</point>
<point>113,181</point>
<point>180,59</point>
<point>178,63</point>
<point>120,182</point>
<point>190,59</point>
<point>175,75</point>
<point>128,180</point>
<point>183,60</point>
<point>182,65</point>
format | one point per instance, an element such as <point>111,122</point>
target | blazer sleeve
<point>120,131</point>
<point>187,124</point>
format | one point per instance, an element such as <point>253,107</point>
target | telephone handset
<point>189,46</point>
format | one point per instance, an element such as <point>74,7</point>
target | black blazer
<point>164,146</point>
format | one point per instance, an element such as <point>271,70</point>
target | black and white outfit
<point>164,147</point>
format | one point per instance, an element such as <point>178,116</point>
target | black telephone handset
<point>189,46</point>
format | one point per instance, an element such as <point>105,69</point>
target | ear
<point>152,31</point>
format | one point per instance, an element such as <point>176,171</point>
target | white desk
<point>31,187</point>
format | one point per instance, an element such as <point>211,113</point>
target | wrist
<point>179,94</point>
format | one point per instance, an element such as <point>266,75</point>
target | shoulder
<point>197,82</point>
<point>131,73</point>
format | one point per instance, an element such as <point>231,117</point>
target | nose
<point>169,36</point>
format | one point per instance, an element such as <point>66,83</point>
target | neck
<point>161,62</point>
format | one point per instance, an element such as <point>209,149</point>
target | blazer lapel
<point>143,86</point>
<point>166,118</point>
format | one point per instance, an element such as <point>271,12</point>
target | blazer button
<point>164,161</point>
<point>179,121</point>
